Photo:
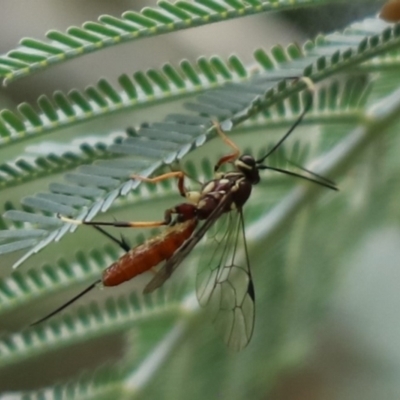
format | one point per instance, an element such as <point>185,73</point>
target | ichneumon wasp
<point>223,279</point>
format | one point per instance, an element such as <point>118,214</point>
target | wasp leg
<point>192,197</point>
<point>180,168</point>
<point>230,157</point>
<point>173,174</point>
<point>123,243</point>
<point>123,224</point>
<point>118,224</point>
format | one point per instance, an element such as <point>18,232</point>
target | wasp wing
<point>224,282</point>
<point>169,267</point>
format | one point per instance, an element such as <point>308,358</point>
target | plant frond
<point>33,55</point>
<point>102,384</point>
<point>116,315</point>
<point>107,382</point>
<point>123,311</point>
<point>22,235</point>
<point>300,237</point>
<point>143,89</point>
<point>19,290</point>
<point>27,168</point>
<point>146,89</point>
<point>164,143</point>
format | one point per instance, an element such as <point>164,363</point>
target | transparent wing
<point>224,281</point>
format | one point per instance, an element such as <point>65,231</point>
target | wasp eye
<point>248,160</point>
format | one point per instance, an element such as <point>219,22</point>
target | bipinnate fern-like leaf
<point>116,315</point>
<point>345,99</point>
<point>169,141</point>
<point>33,55</point>
<point>143,89</point>
<point>130,310</point>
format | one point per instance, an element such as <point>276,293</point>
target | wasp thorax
<point>247,165</point>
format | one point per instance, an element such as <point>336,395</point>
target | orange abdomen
<point>149,254</point>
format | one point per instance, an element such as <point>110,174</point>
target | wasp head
<point>246,164</point>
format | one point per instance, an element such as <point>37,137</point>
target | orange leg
<point>119,224</point>
<point>230,157</point>
<point>173,174</point>
<point>125,224</point>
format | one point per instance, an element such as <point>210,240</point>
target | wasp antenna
<point>68,303</point>
<point>306,178</point>
<point>280,78</point>
<point>322,178</point>
<point>310,86</point>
